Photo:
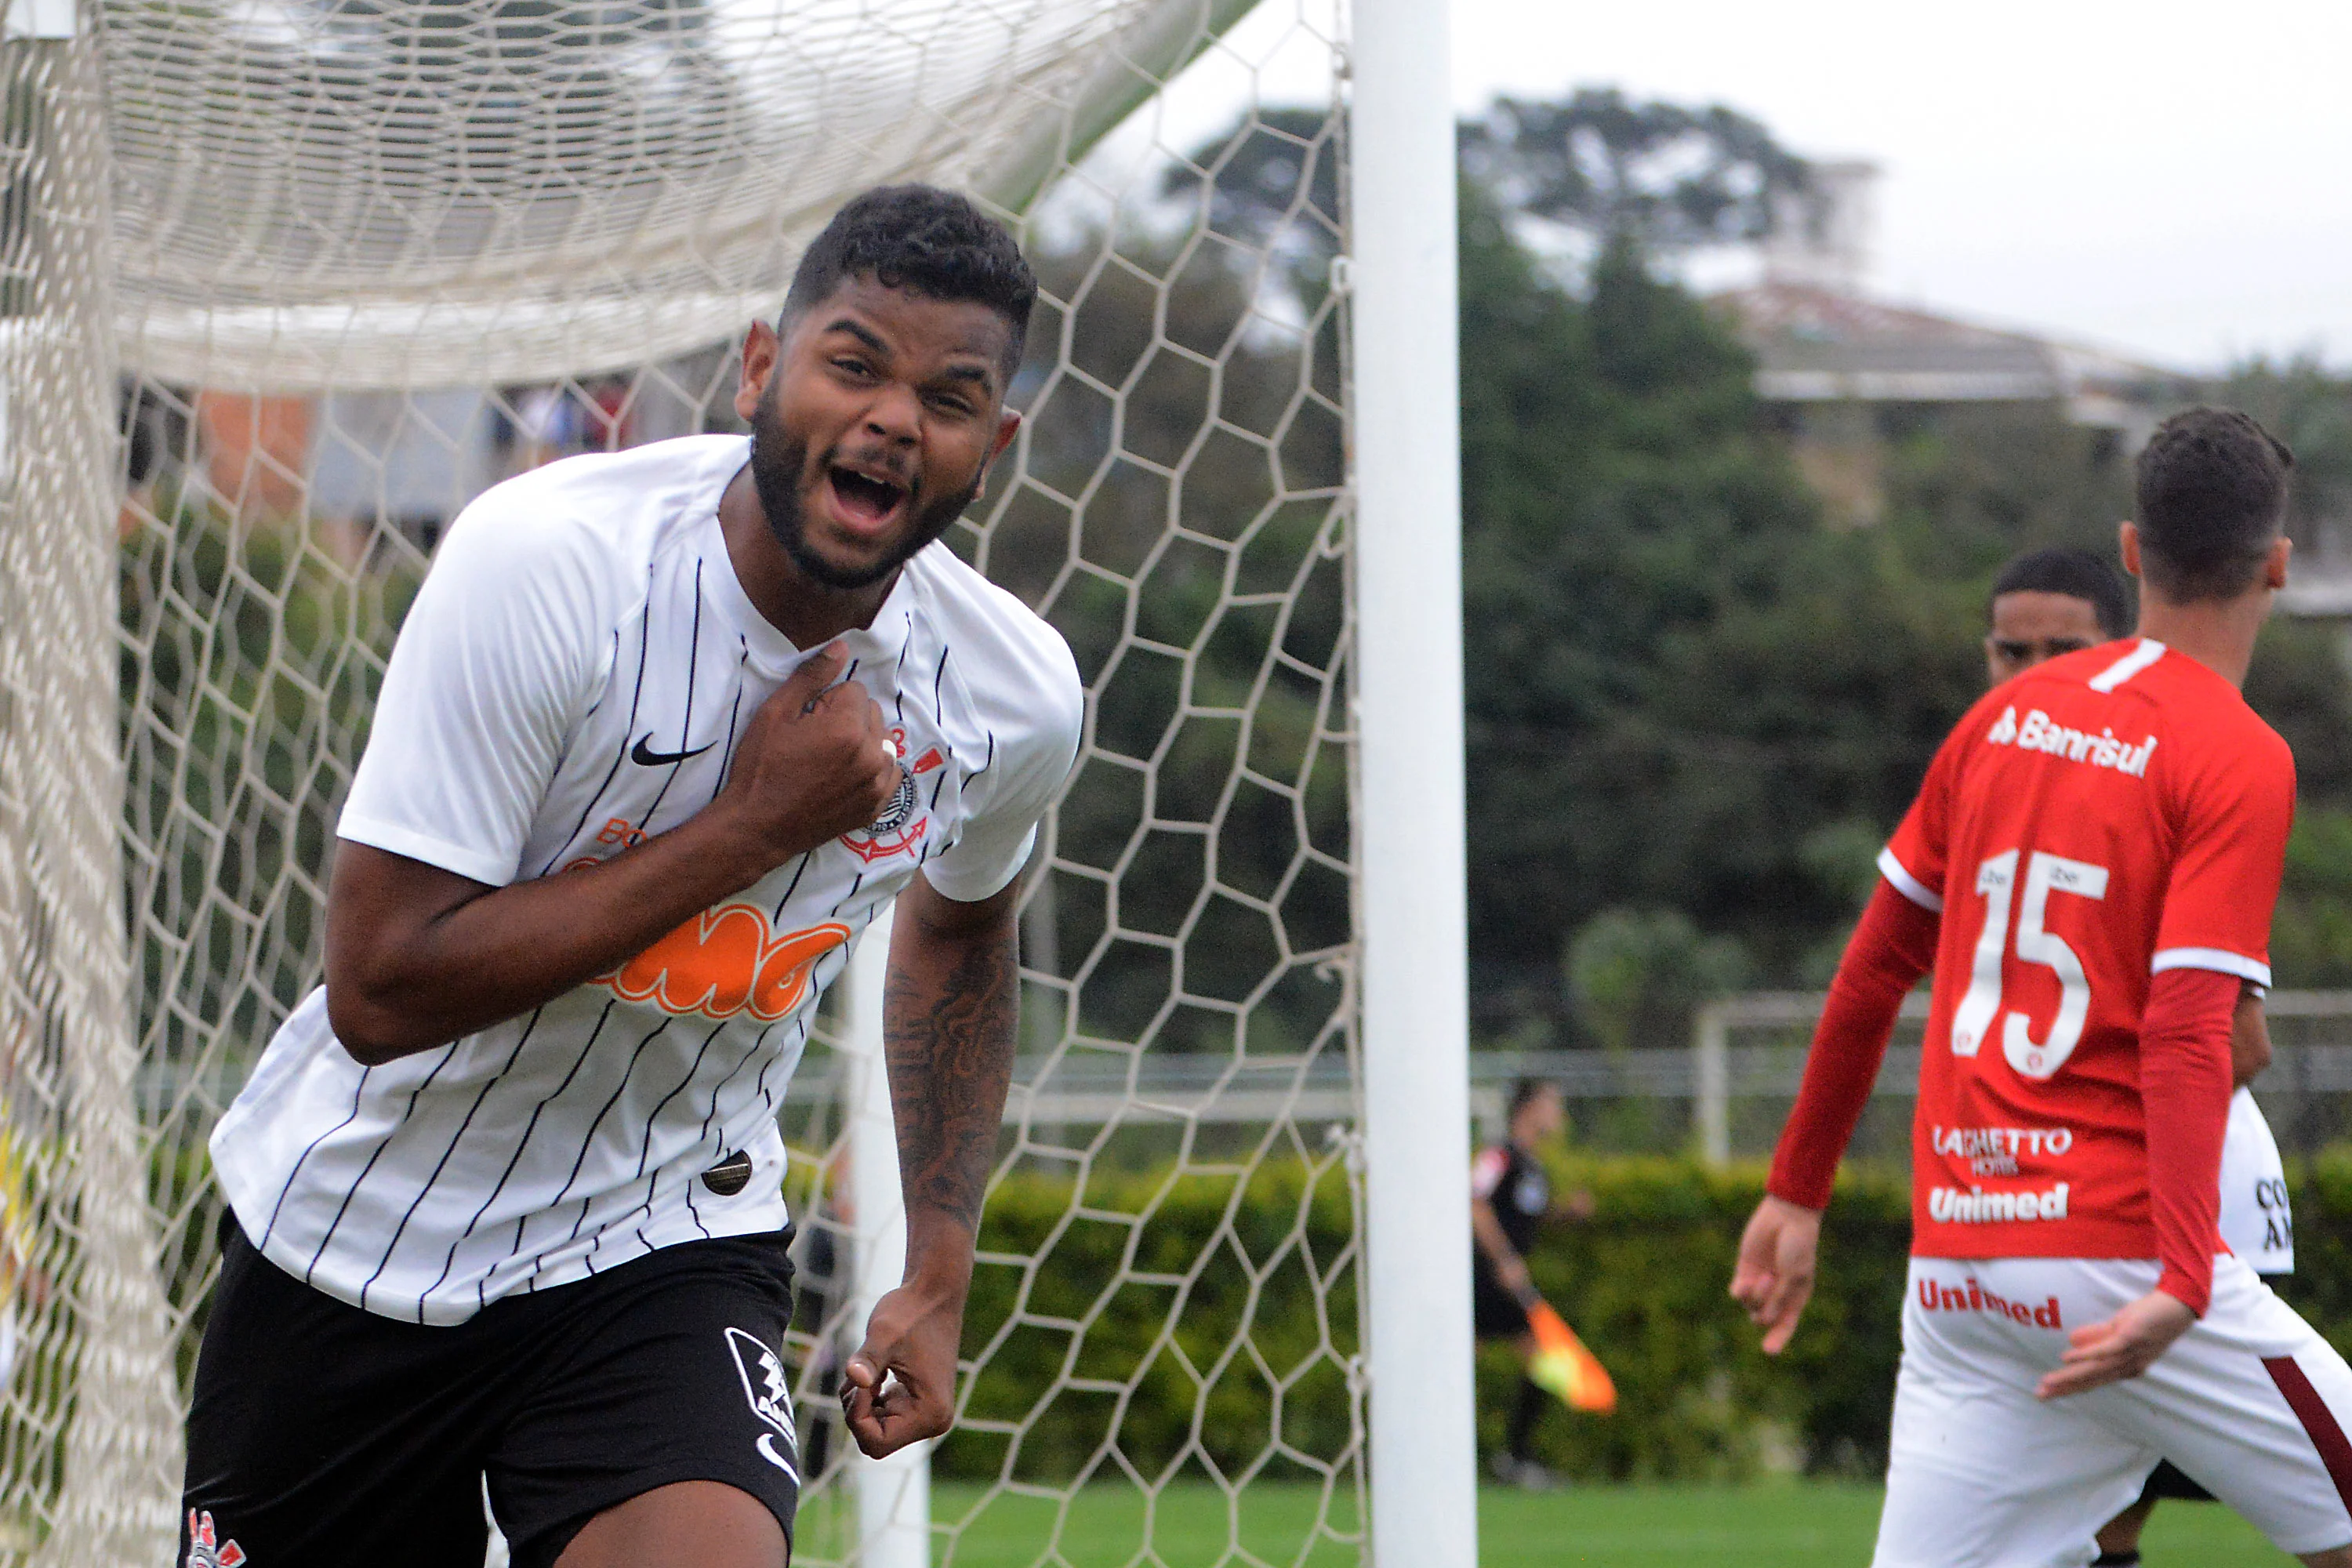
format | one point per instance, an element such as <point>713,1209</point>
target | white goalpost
<point>1411,874</point>
<point>284,283</point>
<point>894,1497</point>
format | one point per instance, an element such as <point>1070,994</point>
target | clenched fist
<point>815,763</point>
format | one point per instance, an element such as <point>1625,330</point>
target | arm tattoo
<point>948,1023</point>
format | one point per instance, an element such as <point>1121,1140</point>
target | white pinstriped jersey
<point>573,675</point>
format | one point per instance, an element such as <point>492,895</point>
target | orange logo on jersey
<point>897,828</point>
<point>727,960</point>
<point>620,830</point>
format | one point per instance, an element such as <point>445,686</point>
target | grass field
<point>1778,1525</point>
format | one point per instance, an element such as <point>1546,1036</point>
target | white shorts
<point>2251,1403</point>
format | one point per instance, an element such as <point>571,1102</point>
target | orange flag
<point>1564,1367</point>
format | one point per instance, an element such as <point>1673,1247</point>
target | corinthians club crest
<point>900,828</point>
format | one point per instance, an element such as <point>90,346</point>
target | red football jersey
<point>2100,818</point>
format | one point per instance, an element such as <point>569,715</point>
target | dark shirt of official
<point>1519,1197</point>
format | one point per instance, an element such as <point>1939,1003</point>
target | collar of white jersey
<point>884,641</point>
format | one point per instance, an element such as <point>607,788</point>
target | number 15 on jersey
<point>1978,1010</point>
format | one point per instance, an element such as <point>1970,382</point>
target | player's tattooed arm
<point>949,1016</point>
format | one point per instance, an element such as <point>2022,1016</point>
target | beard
<point>779,464</point>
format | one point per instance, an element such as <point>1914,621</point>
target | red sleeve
<point>1890,949</point>
<point>2236,807</point>
<point>2184,1087</point>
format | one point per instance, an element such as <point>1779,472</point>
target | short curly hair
<point>2212,498</point>
<point>925,239</point>
<point>2077,573</point>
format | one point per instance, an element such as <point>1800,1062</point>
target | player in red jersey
<point>2089,868</point>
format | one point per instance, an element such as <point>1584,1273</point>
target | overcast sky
<point>2171,180</point>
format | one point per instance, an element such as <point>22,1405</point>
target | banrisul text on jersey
<point>2040,732</point>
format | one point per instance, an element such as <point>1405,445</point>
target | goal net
<point>286,282</point>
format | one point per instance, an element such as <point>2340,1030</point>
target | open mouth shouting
<point>868,497</point>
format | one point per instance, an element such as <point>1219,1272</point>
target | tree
<point>1679,680</point>
<point>2298,681</point>
<point>1189,447</point>
<point>1273,181</point>
<point>1668,176</point>
<point>1692,708</point>
<point>1969,486</point>
<point>1639,976</point>
<point>2311,410</point>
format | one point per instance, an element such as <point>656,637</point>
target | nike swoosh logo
<point>645,756</point>
<point>767,1446</point>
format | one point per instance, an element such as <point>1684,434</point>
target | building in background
<point>410,461</point>
<point>1847,374</point>
<point>343,464</point>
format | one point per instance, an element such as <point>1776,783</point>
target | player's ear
<point>2128,545</point>
<point>1008,425</point>
<point>2274,569</point>
<point>762,350</point>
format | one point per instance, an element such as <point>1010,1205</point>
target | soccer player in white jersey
<point>2062,600</point>
<point>663,731</point>
<point>2089,870</point>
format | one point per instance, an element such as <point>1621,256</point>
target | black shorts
<point>319,1433</point>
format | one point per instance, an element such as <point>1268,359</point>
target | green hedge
<point>1227,1334</point>
<point>1645,1283</point>
<point>1158,1320</point>
<point>2321,1286</point>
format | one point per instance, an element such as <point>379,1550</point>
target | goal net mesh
<point>284,283</point>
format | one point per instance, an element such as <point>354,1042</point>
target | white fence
<point>1724,1096</point>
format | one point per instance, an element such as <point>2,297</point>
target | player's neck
<point>2217,633</point>
<point>807,611</point>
